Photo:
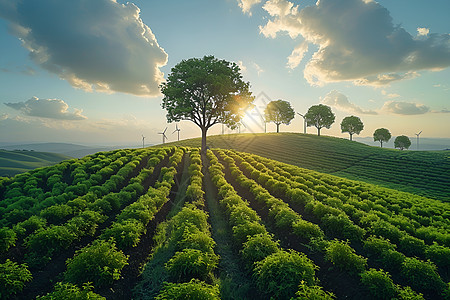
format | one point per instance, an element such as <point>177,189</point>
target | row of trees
<point>210,91</point>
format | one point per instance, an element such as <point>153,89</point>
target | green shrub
<point>299,196</point>
<point>392,260</point>
<point>313,292</point>
<point>411,246</point>
<point>258,247</point>
<point>440,255</point>
<point>284,216</point>
<point>29,226</point>
<point>279,274</point>
<point>99,263</point>
<point>192,290</point>
<point>376,246</point>
<point>197,240</point>
<point>191,263</point>
<point>72,292</point>
<point>7,239</point>
<point>307,230</point>
<point>126,234</point>
<point>242,214</point>
<point>379,284</point>
<point>243,231</point>
<point>343,256</point>
<point>342,227</point>
<point>406,293</point>
<point>13,278</point>
<point>422,275</point>
<point>46,242</point>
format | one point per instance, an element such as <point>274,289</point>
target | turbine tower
<point>143,138</point>
<point>304,123</point>
<point>164,137</point>
<point>417,134</point>
<point>177,130</point>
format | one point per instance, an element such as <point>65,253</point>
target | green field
<point>168,223</point>
<point>425,173</point>
<point>18,161</point>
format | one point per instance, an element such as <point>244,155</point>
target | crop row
<point>335,223</point>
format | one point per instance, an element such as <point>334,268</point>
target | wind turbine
<point>177,130</point>
<point>164,137</point>
<point>143,138</point>
<point>304,123</point>
<point>417,134</point>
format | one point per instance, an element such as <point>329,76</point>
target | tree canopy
<point>319,116</point>
<point>279,112</point>
<point>206,91</point>
<point>382,135</point>
<point>402,142</point>
<point>352,125</point>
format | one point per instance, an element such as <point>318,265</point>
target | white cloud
<point>423,31</point>
<point>341,102</point>
<point>47,108</point>
<point>297,55</point>
<point>390,95</point>
<point>404,108</point>
<point>241,66</point>
<point>357,41</point>
<point>258,69</point>
<point>246,5</point>
<point>97,45</point>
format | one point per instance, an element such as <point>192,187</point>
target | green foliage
<point>29,226</point>
<point>126,234</point>
<point>352,125</point>
<point>382,135</point>
<point>279,112</point>
<point>13,278</point>
<point>279,274</point>
<point>343,256</point>
<point>402,142</point>
<point>411,246</point>
<point>320,116</point>
<point>99,263</point>
<point>191,263</point>
<point>313,292</point>
<point>243,231</point>
<point>379,284</point>
<point>258,247</point>
<point>440,255</point>
<point>7,239</point>
<point>307,230</point>
<point>192,290</point>
<point>422,276</point>
<point>72,292</point>
<point>406,293</point>
<point>197,240</point>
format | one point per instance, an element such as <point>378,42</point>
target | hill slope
<point>425,173</point>
<point>15,162</point>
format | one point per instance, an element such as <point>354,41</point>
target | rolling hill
<point>425,173</point>
<point>168,223</point>
<point>19,161</point>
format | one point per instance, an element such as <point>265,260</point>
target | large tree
<point>402,142</point>
<point>206,91</point>
<point>352,125</point>
<point>279,112</point>
<point>319,116</point>
<point>382,135</point>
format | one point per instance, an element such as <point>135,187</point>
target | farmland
<point>425,173</point>
<point>164,223</point>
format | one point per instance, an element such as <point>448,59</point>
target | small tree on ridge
<point>279,112</point>
<point>382,135</point>
<point>319,116</point>
<point>352,125</point>
<point>402,142</point>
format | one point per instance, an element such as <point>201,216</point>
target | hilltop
<point>425,173</point>
<point>19,161</point>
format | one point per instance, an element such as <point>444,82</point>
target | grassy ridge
<point>15,162</point>
<point>425,173</point>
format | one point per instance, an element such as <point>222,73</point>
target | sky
<point>88,72</point>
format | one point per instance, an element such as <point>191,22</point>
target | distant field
<point>425,173</point>
<point>18,161</point>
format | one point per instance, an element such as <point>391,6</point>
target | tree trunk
<point>381,144</point>
<point>204,130</point>
<point>351,135</point>
<point>278,128</point>
<point>318,131</point>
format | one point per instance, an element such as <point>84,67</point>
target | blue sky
<point>88,71</point>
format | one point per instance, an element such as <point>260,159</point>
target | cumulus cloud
<point>97,45</point>
<point>47,108</point>
<point>246,5</point>
<point>405,108</point>
<point>389,95</point>
<point>241,66</point>
<point>297,55</point>
<point>422,31</point>
<point>341,102</point>
<point>357,41</point>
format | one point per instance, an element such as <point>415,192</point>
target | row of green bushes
<point>335,223</point>
<point>278,273</point>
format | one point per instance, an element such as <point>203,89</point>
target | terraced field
<point>167,223</point>
<point>425,173</point>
